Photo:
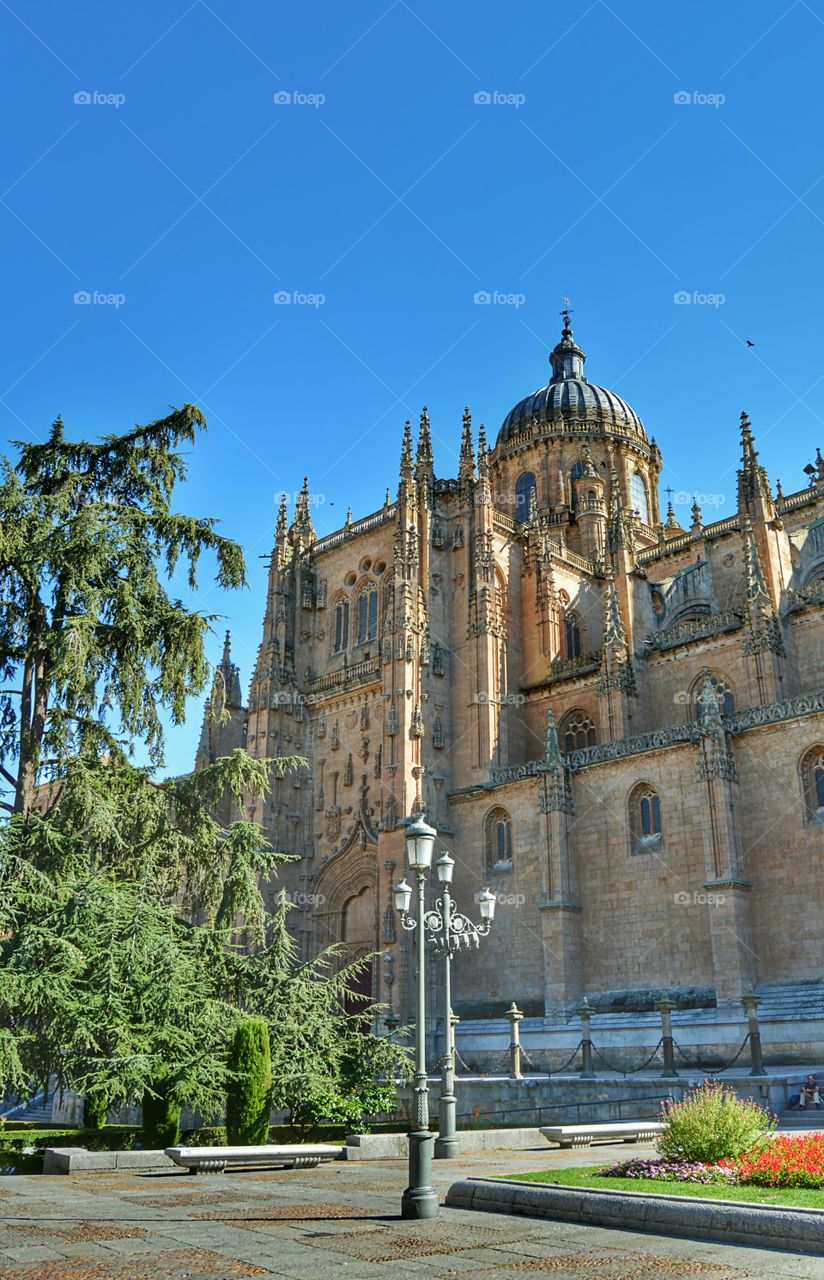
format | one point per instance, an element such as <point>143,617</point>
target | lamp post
<point>419,1199</point>
<point>446,930</point>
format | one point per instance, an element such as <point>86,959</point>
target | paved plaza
<point>342,1217</point>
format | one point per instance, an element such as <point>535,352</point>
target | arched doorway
<point>358,937</point>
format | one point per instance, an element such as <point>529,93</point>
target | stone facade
<point>615,722</point>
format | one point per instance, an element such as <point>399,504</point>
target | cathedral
<point>615,723</point>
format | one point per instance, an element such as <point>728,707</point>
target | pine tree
<point>93,644</point>
<point>249,1095</point>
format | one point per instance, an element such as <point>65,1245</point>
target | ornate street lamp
<point>447,930</point>
<point>419,1199</point>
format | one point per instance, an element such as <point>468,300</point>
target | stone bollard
<point>514,1014</point>
<point>585,1012</point>
<point>751,1001</point>
<point>665,1007</point>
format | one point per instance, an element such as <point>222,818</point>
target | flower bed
<point>782,1161</point>
<point>670,1171</point>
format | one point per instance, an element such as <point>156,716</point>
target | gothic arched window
<point>578,469</point>
<point>368,613</point>
<point>638,495</point>
<point>341,633</point>
<point>577,731</point>
<point>498,840</point>
<point>525,486</point>
<point>572,635</point>
<point>645,826</point>
<point>812,783</point>
<point>723,692</point>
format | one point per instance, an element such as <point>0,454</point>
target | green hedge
<point>120,1137</point>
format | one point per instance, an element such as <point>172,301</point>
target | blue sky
<point>621,154</point>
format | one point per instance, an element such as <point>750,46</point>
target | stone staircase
<point>803,1118</point>
<point>37,1111</point>
<point>800,1001</point>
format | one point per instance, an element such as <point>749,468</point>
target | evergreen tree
<point>161,1116</point>
<point>324,1068</point>
<point>123,901</point>
<point>249,1094</point>
<point>91,641</point>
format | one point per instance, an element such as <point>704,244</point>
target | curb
<point>726,1221</point>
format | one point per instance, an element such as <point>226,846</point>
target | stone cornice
<point>703,628</point>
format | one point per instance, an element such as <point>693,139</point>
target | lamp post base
<point>447,1147</point>
<point>420,1200</point>
<point>447,1143</point>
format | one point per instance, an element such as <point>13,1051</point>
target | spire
<point>697,516</point>
<point>672,521</point>
<point>614,634</point>
<point>764,627</point>
<point>282,522</point>
<point>406,470</point>
<point>619,533</point>
<point>556,796</point>
<point>466,467</point>
<point>229,676</point>
<point>616,664</point>
<point>752,477</point>
<point>485,495</point>
<point>567,358</point>
<point>301,528</point>
<point>423,459</point>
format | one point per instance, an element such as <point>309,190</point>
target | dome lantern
<point>567,359</point>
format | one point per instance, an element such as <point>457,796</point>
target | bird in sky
<point>750,344</point>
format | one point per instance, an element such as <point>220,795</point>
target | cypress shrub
<point>249,1095</point>
<point>161,1117</point>
<point>94,1113</point>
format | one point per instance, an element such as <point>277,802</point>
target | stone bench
<point>581,1135</point>
<point>286,1156</point>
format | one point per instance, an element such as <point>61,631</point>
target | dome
<point>569,395</point>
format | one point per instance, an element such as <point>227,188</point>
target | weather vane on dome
<point>566,313</point>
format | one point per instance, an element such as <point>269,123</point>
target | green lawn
<point>586,1177</point>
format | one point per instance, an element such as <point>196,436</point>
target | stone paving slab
<point>333,1221</point>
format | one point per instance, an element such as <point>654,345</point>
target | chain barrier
<point>483,1074</point>
<point>556,1071</point>
<point>712,1071</point>
<point>506,1058</point>
<point>632,1070</point>
<point>621,1071</point>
